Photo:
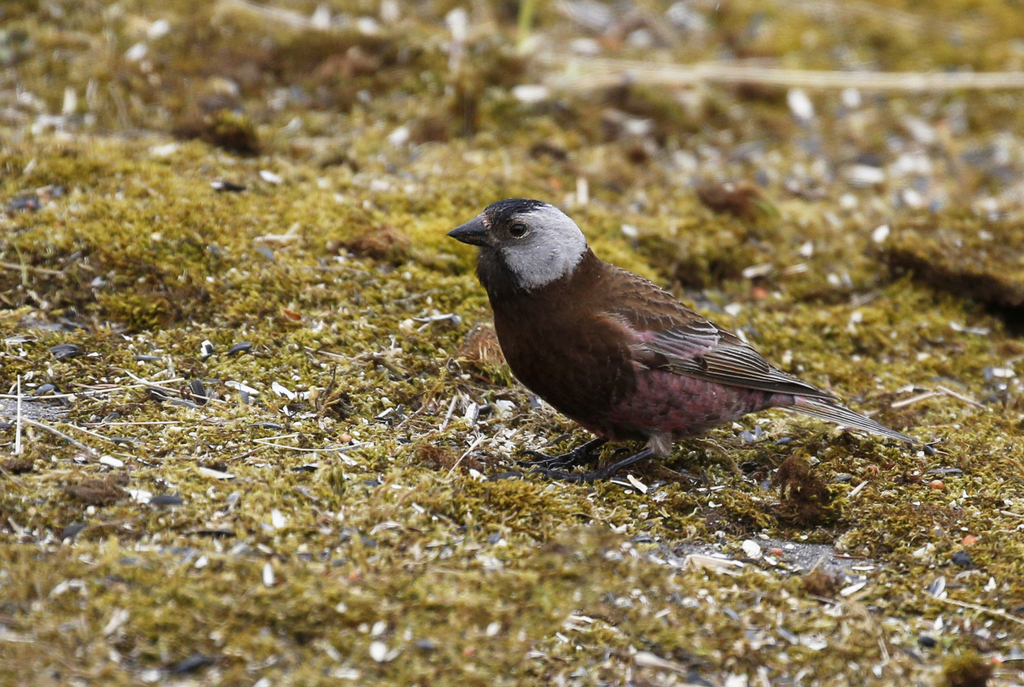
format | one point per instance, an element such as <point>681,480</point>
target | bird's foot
<point>581,455</point>
<point>594,475</point>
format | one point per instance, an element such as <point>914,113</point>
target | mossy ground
<point>354,533</point>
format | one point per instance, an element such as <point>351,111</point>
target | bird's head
<point>524,244</point>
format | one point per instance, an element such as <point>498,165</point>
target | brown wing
<point>678,339</point>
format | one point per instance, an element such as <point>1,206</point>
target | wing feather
<point>674,337</point>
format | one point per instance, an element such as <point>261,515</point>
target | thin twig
<point>448,415</point>
<point>998,612</point>
<point>476,442</point>
<point>91,391</point>
<point>328,449</point>
<point>954,394</point>
<point>148,422</point>
<point>17,431</point>
<point>91,433</point>
<point>11,477</point>
<point>28,268</point>
<point>915,399</point>
<point>286,17</point>
<point>858,489</point>
<point>162,387</point>
<point>62,435</point>
<point>589,74</point>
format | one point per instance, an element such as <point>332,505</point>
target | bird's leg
<point>599,474</point>
<point>581,455</point>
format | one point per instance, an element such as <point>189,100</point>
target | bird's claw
<point>581,455</point>
<point>594,475</point>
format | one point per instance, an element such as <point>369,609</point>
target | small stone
<point>223,185</point>
<point>270,177</point>
<point>240,347</point>
<point>136,52</point>
<point>268,575</point>
<point>800,105</point>
<point>166,500</point>
<point>378,651</point>
<point>192,664</point>
<point>864,175</point>
<point>962,559</point>
<point>530,94</point>
<point>937,485</point>
<point>927,641</point>
<point>66,351</point>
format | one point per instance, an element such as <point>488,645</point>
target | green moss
<point>966,670</point>
<point>374,506</point>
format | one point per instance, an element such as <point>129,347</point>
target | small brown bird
<point>614,352</point>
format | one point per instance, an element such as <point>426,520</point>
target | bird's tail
<point>845,417</point>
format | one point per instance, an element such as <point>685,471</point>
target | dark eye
<point>518,230</point>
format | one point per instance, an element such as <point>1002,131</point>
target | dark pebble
<point>784,441</point>
<point>166,500</point>
<point>425,645</point>
<point>929,450</point>
<point>192,663</point>
<point>24,204</point>
<point>199,392</point>
<point>747,437</point>
<point>371,482</point>
<point>72,530</point>
<point>158,395</point>
<point>66,351</point>
<point>927,642</point>
<point>44,389</point>
<point>962,559</point>
<point>148,358</point>
<point>240,347</point>
<point>694,678</point>
<point>308,467</point>
<point>225,186</point>
<point>914,655</point>
<point>494,538</point>
<point>131,441</point>
<point>212,533</point>
<point>843,478</point>
<point>184,403</point>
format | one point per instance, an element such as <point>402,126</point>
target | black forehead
<point>505,210</point>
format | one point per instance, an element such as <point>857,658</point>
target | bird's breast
<point>578,362</point>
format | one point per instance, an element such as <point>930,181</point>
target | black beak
<point>472,232</point>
